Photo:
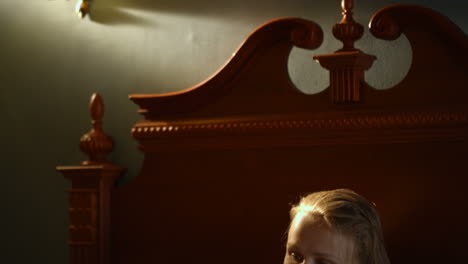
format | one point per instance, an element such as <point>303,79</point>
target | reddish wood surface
<point>225,159</point>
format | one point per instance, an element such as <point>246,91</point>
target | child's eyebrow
<point>292,246</point>
<point>325,255</point>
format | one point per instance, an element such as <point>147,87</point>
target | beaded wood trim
<point>396,120</point>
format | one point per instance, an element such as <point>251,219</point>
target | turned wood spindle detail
<point>346,65</point>
<point>348,31</point>
<point>96,144</point>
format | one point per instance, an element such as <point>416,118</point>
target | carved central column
<point>346,65</point>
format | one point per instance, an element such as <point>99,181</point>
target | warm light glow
<point>305,209</point>
<point>82,8</point>
<point>78,7</point>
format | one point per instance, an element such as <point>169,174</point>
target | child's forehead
<point>309,218</point>
<point>314,237</point>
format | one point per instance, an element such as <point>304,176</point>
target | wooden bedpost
<point>346,65</point>
<point>92,182</point>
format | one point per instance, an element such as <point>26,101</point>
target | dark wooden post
<point>92,182</point>
<point>346,65</point>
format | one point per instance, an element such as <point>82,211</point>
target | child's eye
<point>298,258</point>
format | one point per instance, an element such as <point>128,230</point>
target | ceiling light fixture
<point>83,7</point>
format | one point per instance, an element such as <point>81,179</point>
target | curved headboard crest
<point>439,57</point>
<point>255,85</point>
<point>439,50</point>
<point>270,44</point>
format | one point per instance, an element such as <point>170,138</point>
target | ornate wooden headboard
<point>225,159</point>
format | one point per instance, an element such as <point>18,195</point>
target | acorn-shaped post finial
<point>96,144</point>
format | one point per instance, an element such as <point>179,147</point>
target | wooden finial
<point>347,6</point>
<point>346,65</point>
<point>348,31</point>
<point>96,109</point>
<point>96,144</point>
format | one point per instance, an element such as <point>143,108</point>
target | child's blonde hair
<point>347,212</point>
